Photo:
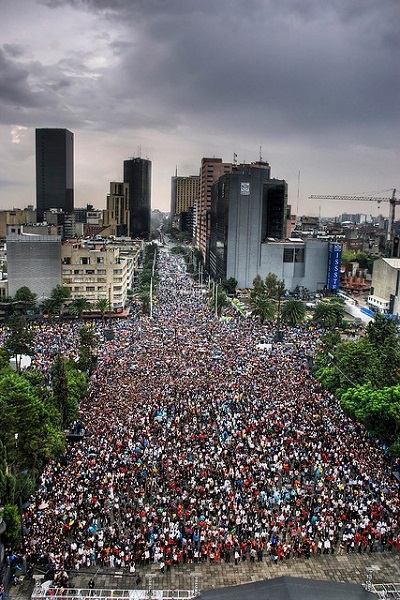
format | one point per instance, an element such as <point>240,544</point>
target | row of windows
<point>82,272</point>
<point>85,260</point>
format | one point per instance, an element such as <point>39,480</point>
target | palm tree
<point>78,306</point>
<point>218,301</point>
<point>49,307</point>
<point>328,314</point>
<point>103,306</point>
<point>293,311</point>
<point>262,307</point>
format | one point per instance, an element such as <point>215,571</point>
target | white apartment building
<point>95,270</point>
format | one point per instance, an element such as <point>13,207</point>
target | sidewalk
<point>350,568</point>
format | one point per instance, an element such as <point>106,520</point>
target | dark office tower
<point>137,174</point>
<point>54,170</point>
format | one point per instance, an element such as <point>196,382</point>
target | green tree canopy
<point>293,311</point>
<point>78,306</point>
<point>328,314</point>
<point>262,307</point>
<point>20,339</point>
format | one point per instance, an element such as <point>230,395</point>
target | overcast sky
<point>314,83</point>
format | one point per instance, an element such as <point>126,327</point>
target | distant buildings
<point>184,196</point>
<point>137,174</point>
<point>54,170</point>
<point>116,217</point>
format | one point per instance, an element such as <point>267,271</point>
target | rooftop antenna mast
<point>260,154</point>
<point>298,192</point>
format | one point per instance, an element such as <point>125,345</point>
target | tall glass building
<point>54,170</point>
<point>137,174</point>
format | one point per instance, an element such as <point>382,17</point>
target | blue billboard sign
<point>333,271</point>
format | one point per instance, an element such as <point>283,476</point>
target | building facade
<point>248,233</point>
<point>116,216</point>
<point>137,175</point>
<point>211,170</point>
<point>184,194</point>
<point>33,261</point>
<point>17,216</point>
<point>94,270</point>
<point>54,170</point>
<point>385,288</point>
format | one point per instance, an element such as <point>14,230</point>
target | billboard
<point>333,271</point>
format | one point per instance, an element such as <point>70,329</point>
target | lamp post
<point>18,477</point>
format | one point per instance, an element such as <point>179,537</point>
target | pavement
<point>349,568</point>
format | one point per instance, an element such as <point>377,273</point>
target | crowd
<point>206,441</point>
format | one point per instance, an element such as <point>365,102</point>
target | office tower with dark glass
<point>137,174</point>
<point>54,170</point>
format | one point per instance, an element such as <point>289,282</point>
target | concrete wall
<point>35,262</point>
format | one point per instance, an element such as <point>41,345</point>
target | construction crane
<point>393,203</point>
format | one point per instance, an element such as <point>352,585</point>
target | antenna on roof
<point>260,154</point>
<point>234,158</point>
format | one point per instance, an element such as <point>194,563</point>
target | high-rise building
<point>248,233</point>
<point>117,216</point>
<point>137,174</point>
<point>211,170</point>
<point>54,170</point>
<point>184,194</point>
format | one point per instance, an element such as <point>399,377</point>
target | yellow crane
<point>393,203</point>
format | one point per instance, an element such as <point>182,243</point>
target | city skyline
<point>309,86</point>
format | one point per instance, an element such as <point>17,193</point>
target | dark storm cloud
<point>308,66</point>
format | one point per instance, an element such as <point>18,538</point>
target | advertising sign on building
<point>333,272</point>
<point>245,189</point>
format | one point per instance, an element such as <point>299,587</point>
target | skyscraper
<point>137,174</point>
<point>54,170</point>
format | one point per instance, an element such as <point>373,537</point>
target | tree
<point>258,286</point>
<point>20,340</point>
<point>32,418</point>
<point>60,294</point>
<point>218,300</point>
<point>78,306</point>
<point>262,307</point>
<point>274,287</point>
<point>87,348</point>
<point>49,307</point>
<point>229,285</point>
<point>59,384</point>
<point>293,311</point>
<point>328,314</point>
<point>378,410</point>
<point>25,299</point>
<point>103,306</point>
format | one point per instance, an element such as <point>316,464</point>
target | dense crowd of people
<point>206,441</point>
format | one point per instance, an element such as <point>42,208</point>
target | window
<point>117,271</point>
<point>90,288</point>
<point>78,271</point>
<point>288,254</point>
<point>299,255</point>
<point>85,260</point>
<point>67,260</point>
<point>100,260</point>
<point>101,271</point>
<point>89,271</point>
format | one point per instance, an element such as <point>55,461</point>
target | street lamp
<point>18,477</point>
